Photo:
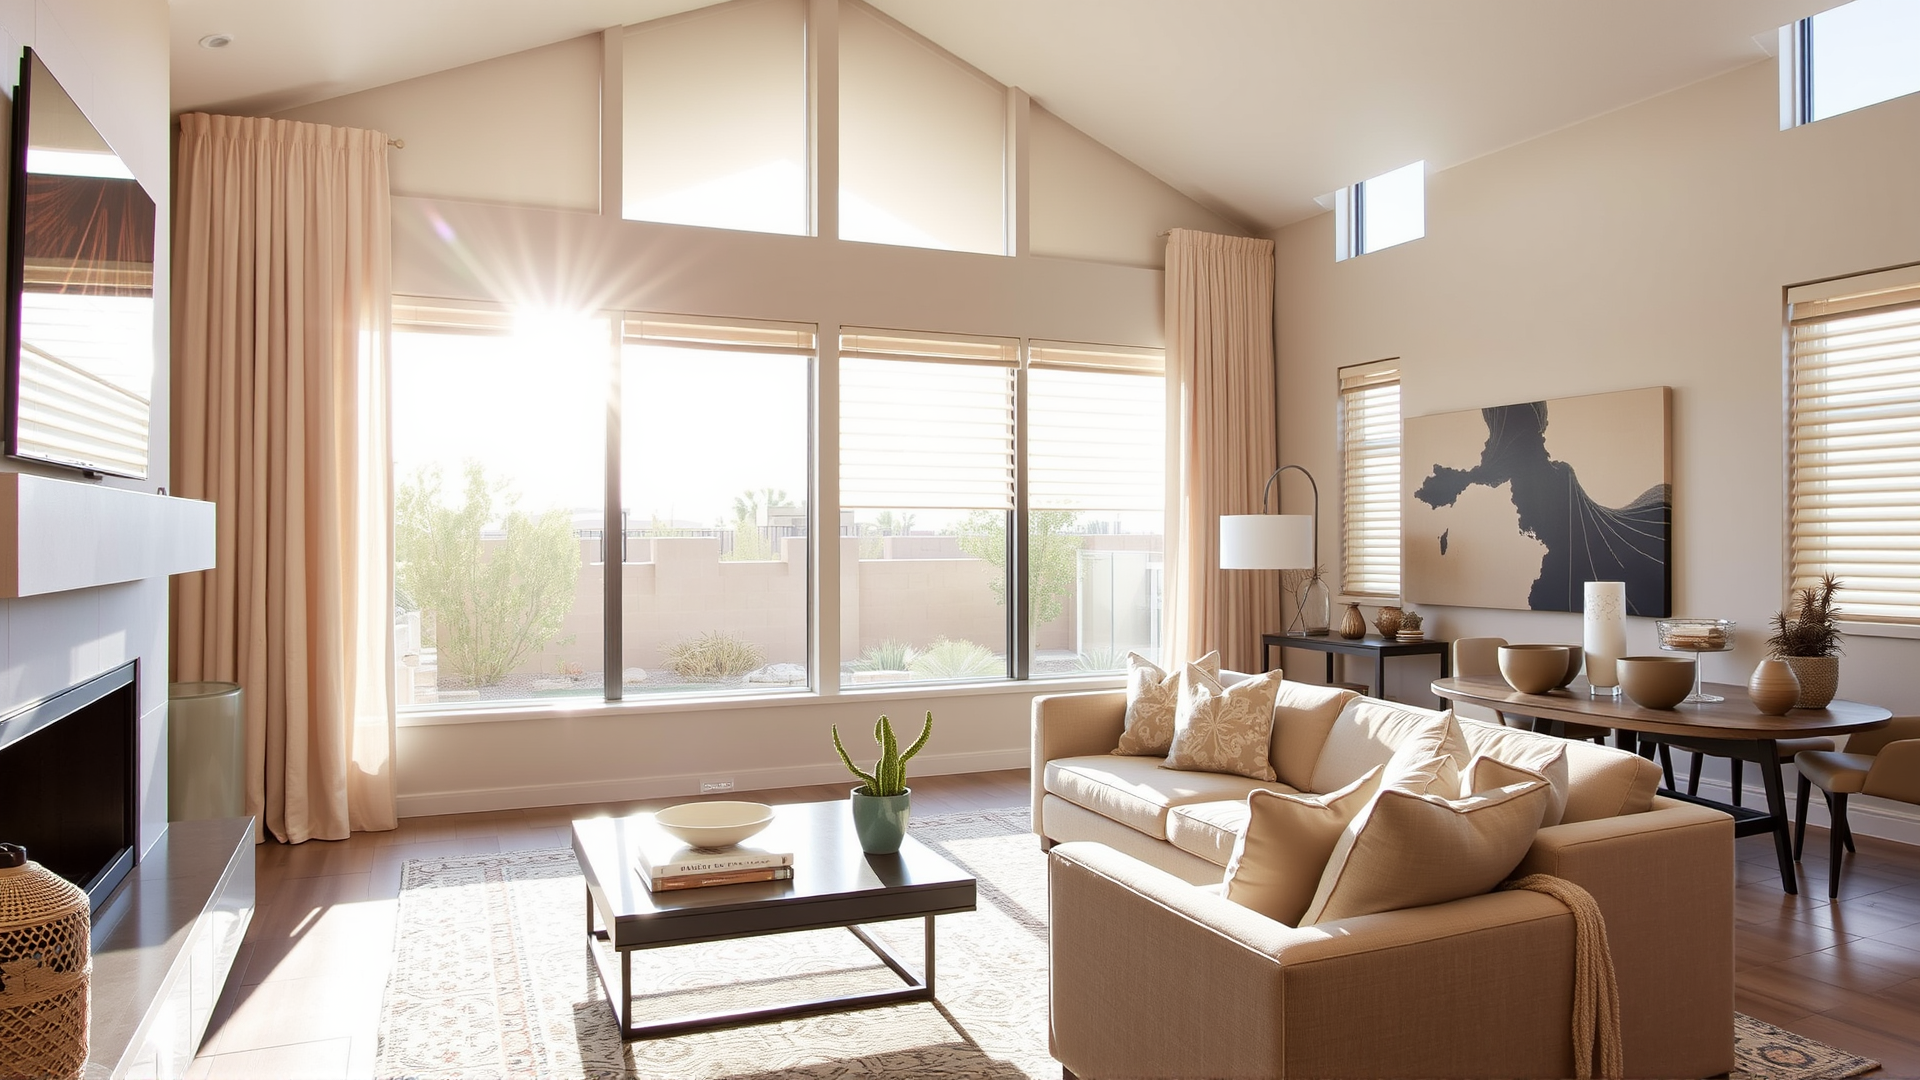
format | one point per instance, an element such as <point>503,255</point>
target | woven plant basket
<point>46,966</point>
<point>1819,679</point>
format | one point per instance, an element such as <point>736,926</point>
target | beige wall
<point>111,56</point>
<point>1646,247</point>
<point>523,129</point>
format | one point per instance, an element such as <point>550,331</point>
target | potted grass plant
<point>1809,641</point>
<point>881,802</point>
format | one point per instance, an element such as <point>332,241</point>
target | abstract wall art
<point>1518,506</point>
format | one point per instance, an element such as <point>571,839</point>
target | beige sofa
<point>1154,974</point>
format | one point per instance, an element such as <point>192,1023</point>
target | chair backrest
<point>1870,742</point>
<point>1477,656</point>
<point>1895,773</point>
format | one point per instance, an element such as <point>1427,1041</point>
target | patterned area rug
<point>490,980</point>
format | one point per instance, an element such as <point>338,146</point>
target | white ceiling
<point>1252,107</point>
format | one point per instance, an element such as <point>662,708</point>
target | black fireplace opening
<point>68,787</point>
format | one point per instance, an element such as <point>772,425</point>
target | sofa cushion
<point>1303,714</point>
<point>1136,791</point>
<point>1410,848</point>
<point>1208,829</point>
<point>1225,729</point>
<point>1275,868</point>
<point>1153,696</point>
<point>1604,782</point>
<point>1368,732</point>
<point>1542,754</point>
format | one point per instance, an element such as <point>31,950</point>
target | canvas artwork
<point>1518,506</point>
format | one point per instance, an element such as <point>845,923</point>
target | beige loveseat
<point>1155,975</point>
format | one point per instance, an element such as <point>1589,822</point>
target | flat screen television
<point>80,319</point>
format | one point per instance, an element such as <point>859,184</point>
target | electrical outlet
<point>709,787</point>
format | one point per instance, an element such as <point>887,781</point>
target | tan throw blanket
<point>1596,995</point>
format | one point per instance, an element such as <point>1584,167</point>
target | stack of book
<point>666,864</point>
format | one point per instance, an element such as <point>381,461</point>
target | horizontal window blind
<point>1370,479</point>
<point>1096,439</point>
<point>1075,356</point>
<point>926,422</point>
<point>1853,441</point>
<point>421,315</point>
<point>744,335</point>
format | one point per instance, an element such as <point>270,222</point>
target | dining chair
<point>1883,763</point>
<point>1787,747</point>
<point>1481,656</point>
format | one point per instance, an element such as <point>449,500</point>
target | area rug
<point>490,979</point>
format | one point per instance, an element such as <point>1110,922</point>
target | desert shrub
<point>712,655</point>
<point>1101,658</point>
<point>956,659</point>
<point>889,655</point>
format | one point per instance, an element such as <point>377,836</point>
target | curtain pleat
<point>283,306</point>
<point>1222,441</point>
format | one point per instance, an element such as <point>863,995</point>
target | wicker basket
<point>46,966</point>
<point>1819,679</point>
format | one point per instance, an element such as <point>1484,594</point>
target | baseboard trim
<point>522,797</point>
<point>1868,816</point>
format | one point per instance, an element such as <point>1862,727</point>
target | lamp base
<point>1306,633</point>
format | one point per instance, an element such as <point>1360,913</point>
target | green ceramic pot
<point>880,821</point>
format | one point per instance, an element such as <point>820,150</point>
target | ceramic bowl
<point>714,824</point>
<point>1576,659</point>
<point>1656,682</point>
<point>1534,669</point>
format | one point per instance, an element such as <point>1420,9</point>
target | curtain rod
<point>397,144</point>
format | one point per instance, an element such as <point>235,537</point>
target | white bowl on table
<point>714,824</point>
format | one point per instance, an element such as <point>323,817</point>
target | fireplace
<point>67,781</point>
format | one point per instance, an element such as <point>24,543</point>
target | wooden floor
<point>304,996</point>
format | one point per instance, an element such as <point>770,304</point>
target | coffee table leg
<point>929,962</point>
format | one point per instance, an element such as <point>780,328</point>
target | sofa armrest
<point>1073,725</point>
<point>1153,977</point>
<point>1664,880</point>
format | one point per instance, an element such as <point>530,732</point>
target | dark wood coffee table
<point>834,884</point>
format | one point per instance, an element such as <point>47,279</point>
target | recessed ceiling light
<point>216,41</point>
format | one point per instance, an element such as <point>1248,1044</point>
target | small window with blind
<point>1370,479</point>
<point>1853,441</point>
<point>927,461</point>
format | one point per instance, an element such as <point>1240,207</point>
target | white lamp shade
<point>1266,542</point>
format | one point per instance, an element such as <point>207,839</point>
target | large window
<point>1370,479</point>
<point>1853,482</point>
<point>511,559</point>
<point>1096,466</point>
<point>1847,58</point>
<point>927,474</point>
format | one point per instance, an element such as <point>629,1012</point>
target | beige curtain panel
<point>282,309</point>
<point>1222,441</point>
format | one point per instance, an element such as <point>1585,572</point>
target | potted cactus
<point>880,803</point>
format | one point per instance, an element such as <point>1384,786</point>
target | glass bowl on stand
<point>1696,636</point>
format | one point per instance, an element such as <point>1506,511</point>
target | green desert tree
<point>1052,555</point>
<point>492,603</point>
<point>749,543</point>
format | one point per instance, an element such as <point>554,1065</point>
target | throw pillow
<point>1542,754</point>
<point>1370,732</point>
<point>1279,857</point>
<point>1223,729</point>
<point>1152,697</point>
<point>1410,848</point>
<point>1303,714</point>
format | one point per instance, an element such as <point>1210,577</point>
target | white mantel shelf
<point>57,535</point>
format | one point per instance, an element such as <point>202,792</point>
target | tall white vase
<point>1606,635</point>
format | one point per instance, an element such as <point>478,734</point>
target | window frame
<point>1350,215</point>
<point>1798,75</point>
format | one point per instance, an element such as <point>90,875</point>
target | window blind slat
<point>919,431</point>
<point>1854,441</point>
<point>1095,439</point>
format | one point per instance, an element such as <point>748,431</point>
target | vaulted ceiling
<point>1251,107</point>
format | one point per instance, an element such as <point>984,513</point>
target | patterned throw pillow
<point>1152,697</point>
<point>1277,861</point>
<point>1411,847</point>
<point>1224,729</point>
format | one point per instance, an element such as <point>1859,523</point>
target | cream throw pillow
<point>1152,698</point>
<point>1224,729</point>
<point>1410,848</point>
<point>1278,860</point>
<point>1542,754</point>
<point>1371,732</point>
